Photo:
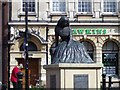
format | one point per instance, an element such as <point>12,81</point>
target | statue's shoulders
<point>77,43</point>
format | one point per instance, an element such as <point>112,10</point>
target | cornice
<point>72,23</point>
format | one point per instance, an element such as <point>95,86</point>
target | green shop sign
<point>87,31</point>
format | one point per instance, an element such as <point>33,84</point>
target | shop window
<point>110,58</point>
<point>89,48</point>
<point>31,47</point>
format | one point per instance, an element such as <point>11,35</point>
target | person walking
<point>14,78</point>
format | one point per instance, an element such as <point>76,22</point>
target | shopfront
<point>102,44</point>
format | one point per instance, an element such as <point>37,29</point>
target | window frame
<point>109,13</point>
<point>29,13</point>
<point>57,12</point>
<point>76,8</point>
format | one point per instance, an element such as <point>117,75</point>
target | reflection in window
<point>110,58</point>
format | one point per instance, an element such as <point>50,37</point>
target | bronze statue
<point>65,49</point>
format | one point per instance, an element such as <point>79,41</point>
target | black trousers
<point>15,85</point>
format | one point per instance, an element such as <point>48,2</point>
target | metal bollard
<point>109,87</point>
<point>103,82</point>
<point>20,76</point>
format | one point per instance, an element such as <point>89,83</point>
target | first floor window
<point>84,5</point>
<point>58,6</point>
<point>110,5</point>
<point>30,5</point>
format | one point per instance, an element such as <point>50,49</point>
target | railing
<point>109,85</point>
<point>3,86</point>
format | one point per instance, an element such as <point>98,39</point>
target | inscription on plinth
<point>53,81</point>
<point>81,81</point>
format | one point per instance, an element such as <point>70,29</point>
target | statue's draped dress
<point>74,52</point>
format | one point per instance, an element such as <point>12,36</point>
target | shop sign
<point>98,31</point>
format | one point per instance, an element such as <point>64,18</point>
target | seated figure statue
<point>65,49</point>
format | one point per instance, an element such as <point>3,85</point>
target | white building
<point>94,22</point>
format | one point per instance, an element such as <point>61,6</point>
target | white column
<point>98,56</point>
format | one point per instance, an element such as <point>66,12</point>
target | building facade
<point>95,23</point>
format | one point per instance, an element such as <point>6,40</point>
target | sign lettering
<point>88,31</point>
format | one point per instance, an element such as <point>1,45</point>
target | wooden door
<point>23,80</point>
<point>33,70</point>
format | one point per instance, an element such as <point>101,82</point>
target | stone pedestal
<point>71,75</point>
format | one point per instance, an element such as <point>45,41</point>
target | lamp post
<point>9,11</point>
<point>26,46</point>
<point>47,45</point>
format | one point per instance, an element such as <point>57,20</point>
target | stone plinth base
<point>65,75</point>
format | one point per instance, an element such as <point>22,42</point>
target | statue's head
<point>61,30</point>
<point>63,22</point>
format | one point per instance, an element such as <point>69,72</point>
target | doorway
<point>33,70</point>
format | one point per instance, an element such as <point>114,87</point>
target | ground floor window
<point>89,48</point>
<point>31,47</point>
<point>110,58</point>
<point>110,63</point>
